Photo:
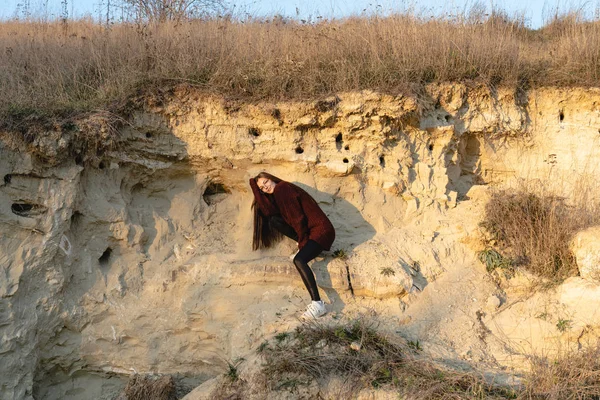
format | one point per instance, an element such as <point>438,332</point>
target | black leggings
<point>307,253</point>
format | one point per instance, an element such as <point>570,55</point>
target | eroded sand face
<point>141,261</point>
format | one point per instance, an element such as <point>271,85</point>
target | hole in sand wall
<point>79,159</point>
<point>466,172</point>
<point>105,257</point>
<point>7,179</point>
<point>430,147</point>
<point>215,192</point>
<point>101,165</point>
<point>21,209</point>
<point>345,160</point>
<point>76,218</point>
<point>382,161</point>
<point>148,135</point>
<point>299,150</point>
<point>27,210</point>
<point>347,147</point>
<point>561,115</point>
<point>254,132</point>
<point>338,141</point>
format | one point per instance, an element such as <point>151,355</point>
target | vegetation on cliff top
<point>61,68</point>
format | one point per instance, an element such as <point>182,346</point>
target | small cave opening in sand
<point>105,257</point>
<point>7,179</point>
<point>76,218</point>
<point>215,192</point>
<point>339,141</point>
<point>345,160</point>
<point>561,115</point>
<point>21,209</point>
<point>469,166</point>
<point>27,210</point>
<point>254,132</point>
<point>299,150</point>
<point>382,161</point>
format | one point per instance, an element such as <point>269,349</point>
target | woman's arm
<point>266,207</point>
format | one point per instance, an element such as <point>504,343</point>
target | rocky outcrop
<point>129,250</point>
<point>586,249</point>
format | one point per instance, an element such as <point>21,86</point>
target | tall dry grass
<point>534,226</point>
<point>571,375</point>
<point>56,67</point>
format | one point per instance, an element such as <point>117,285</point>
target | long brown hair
<point>264,236</point>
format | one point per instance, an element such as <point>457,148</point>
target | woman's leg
<point>278,223</point>
<point>307,253</point>
<point>310,250</point>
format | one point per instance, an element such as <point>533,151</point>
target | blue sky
<point>535,11</point>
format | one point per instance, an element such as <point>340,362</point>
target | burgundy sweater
<point>299,210</point>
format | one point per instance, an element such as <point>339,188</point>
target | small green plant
<point>340,333</point>
<point>340,253</point>
<point>415,345</point>
<point>563,325</point>
<point>290,384</point>
<point>232,369</point>
<point>492,260</point>
<point>543,316</point>
<point>383,376</point>
<point>387,271</point>
<point>280,337</point>
<point>262,347</point>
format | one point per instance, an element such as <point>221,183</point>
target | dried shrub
<point>365,358</point>
<point>150,388</point>
<point>536,230</point>
<point>569,376</point>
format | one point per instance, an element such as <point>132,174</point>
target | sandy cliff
<point>131,252</point>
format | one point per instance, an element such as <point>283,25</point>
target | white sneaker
<point>315,310</point>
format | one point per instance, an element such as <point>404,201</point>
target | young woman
<point>281,208</point>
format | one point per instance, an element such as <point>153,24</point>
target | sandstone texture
<point>586,248</point>
<point>134,256</point>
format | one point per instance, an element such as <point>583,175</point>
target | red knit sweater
<point>299,210</point>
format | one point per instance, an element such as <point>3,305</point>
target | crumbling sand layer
<point>137,259</point>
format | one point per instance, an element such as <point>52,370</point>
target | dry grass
<point>294,361</point>
<point>365,359</point>
<point>535,227</point>
<point>570,376</point>
<point>56,68</point>
<point>150,388</point>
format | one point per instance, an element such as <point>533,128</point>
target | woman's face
<point>266,185</point>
